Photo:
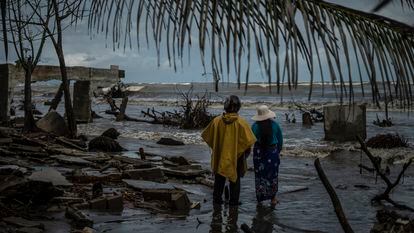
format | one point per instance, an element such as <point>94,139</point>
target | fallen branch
<point>390,185</point>
<point>334,198</point>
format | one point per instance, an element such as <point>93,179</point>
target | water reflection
<point>225,219</point>
<point>217,219</point>
<point>262,221</point>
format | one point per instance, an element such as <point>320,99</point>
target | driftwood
<point>316,115</point>
<point>390,185</point>
<point>384,123</point>
<point>193,112</point>
<point>119,113</point>
<point>334,198</point>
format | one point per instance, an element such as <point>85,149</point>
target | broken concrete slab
<point>180,201</point>
<point>21,222</point>
<point>98,204</point>
<point>29,191</point>
<point>173,199</point>
<point>54,123</point>
<point>143,184</point>
<point>115,203</point>
<point>25,148</point>
<point>88,175</point>
<point>29,230</point>
<point>12,170</point>
<point>50,175</point>
<point>72,160</point>
<point>138,163</point>
<point>79,219</point>
<point>67,200</point>
<point>183,173</point>
<point>152,174</point>
<point>111,203</point>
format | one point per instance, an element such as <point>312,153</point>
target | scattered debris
<point>385,196</point>
<point>12,170</point>
<point>152,174</point>
<point>21,222</point>
<point>50,175</point>
<point>392,222</point>
<point>79,219</point>
<point>387,141</point>
<point>170,142</point>
<point>105,144</point>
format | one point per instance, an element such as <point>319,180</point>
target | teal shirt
<point>277,137</point>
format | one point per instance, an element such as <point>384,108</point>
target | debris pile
<point>387,141</point>
<point>44,172</point>
<point>392,222</point>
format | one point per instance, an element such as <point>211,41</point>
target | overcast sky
<point>141,66</point>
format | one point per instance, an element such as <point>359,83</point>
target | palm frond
<point>227,30</point>
<point>4,26</point>
<point>384,3</point>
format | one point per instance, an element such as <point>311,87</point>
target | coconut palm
<point>279,34</point>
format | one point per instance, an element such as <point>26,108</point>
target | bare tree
<point>28,39</point>
<point>65,13</point>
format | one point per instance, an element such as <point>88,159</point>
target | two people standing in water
<point>231,138</point>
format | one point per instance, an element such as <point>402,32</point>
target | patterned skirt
<point>266,169</point>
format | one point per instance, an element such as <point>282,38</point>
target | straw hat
<point>263,113</point>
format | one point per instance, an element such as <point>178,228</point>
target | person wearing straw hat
<point>266,154</point>
<point>230,138</point>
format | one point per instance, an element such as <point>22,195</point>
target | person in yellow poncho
<point>230,138</point>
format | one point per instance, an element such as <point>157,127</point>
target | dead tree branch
<point>334,198</point>
<point>390,185</point>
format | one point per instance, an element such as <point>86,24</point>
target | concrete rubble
<point>52,174</point>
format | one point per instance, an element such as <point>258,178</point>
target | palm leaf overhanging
<point>232,30</point>
<point>279,33</point>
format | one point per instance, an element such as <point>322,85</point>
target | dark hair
<point>232,104</point>
<point>265,132</point>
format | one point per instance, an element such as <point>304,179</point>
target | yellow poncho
<point>229,136</point>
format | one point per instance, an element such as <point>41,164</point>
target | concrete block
<point>152,174</point>
<point>180,201</point>
<point>115,203</point>
<point>82,101</point>
<point>98,204</point>
<point>345,122</point>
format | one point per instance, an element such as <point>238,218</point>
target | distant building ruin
<point>86,80</point>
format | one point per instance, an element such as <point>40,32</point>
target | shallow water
<point>304,211</point>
